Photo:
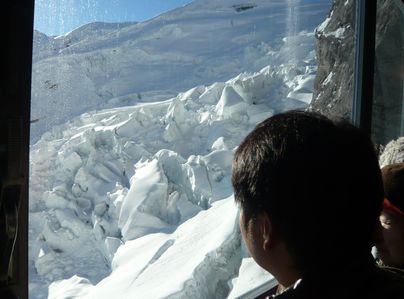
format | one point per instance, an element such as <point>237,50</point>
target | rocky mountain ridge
<point>333,90</point>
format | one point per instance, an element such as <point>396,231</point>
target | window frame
<point>18,19</point>
<point>362,104</point>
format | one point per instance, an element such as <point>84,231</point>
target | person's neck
<point>282,267</point>
<point>287,278</point>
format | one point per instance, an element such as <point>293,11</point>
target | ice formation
<point>136,201</point>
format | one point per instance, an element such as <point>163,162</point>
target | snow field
<point>111,184</point>
<point>109,65</point>
<point>136,201</point>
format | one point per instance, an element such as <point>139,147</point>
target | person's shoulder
<point>391,275</point>
<point>372,283</point>
<point>394,270</point>
<point>376,283</point>
<point>389,283</point>
<point>369,283</point>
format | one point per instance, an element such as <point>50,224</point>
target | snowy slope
<point>136,201</point>
<point>108,181</point>
<point>202,43</point>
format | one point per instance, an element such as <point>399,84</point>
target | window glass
<point>335,50</point>
<point>388,110</point>
<point>136,110</point>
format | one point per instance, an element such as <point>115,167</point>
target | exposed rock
<point>335,53</point>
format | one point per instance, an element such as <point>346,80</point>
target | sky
<point>56,17</point>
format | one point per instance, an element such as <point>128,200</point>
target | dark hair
<point>318,180</point>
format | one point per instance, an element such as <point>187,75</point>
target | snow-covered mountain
<point>110,65</point>
<point>135,201</point>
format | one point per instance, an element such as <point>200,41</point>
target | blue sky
<point>55,17</point>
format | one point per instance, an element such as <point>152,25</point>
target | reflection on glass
<point>135,126</point>
<point>388,113</point>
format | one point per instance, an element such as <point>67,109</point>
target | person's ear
<point>266,231</point>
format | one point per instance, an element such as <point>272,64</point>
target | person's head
<point>310,184</point>
<point>391,246</point>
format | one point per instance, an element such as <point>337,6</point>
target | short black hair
<point>319,181</point>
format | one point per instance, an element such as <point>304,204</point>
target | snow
<point>250,278</point>
<point>201,43</point>
<point>328,79</point>
<point>324,30</point>
<point>202,269</point>
<point>324,24</point>
<point>338,33</point>
<point>130,192</point>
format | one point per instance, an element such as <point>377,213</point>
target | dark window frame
<point>364,64</point>
<point>17,18</point>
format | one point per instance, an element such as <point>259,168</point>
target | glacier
<point>130,193</point>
